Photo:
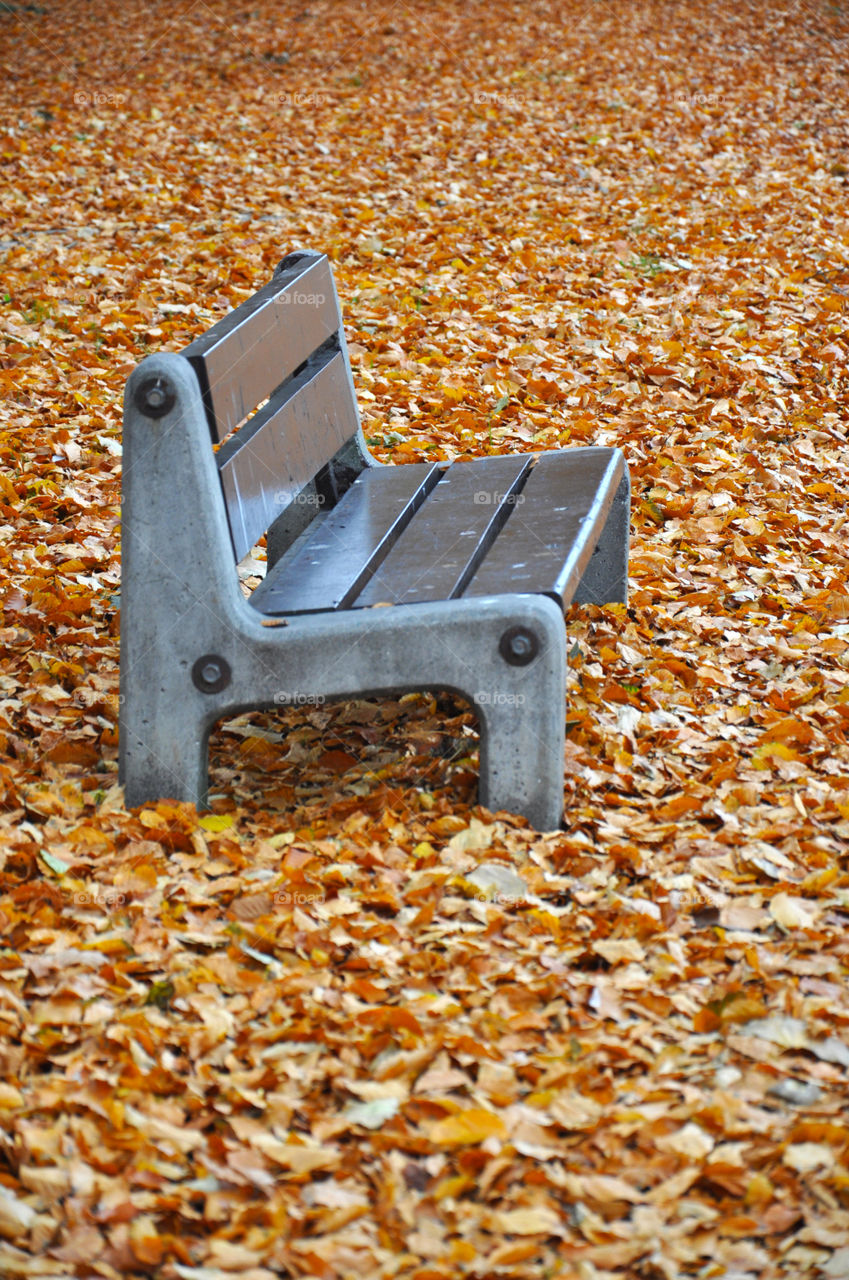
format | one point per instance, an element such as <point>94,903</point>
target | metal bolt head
<point>154,396</point>
<point>519,646</point>
<point>211,673</point>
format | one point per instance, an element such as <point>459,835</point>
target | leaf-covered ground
<point>314,1033</point>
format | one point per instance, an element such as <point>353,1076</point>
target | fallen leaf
<point>468,1128</point>
<point>372,1115</point>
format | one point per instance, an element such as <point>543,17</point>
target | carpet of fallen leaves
<point>348,1023</point>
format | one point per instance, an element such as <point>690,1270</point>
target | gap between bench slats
<point>248,353</point>
<point>554,528</point>
<point>265,465</point>
<point>443,543</point>
<point>335,560</point>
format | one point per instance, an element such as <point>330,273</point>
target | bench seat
<point>420,532</point>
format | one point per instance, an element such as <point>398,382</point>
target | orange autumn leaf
<point>337,761</point>
<point>147,1245</point>
<point>468,1128</point>
<point>798,732</point>
<point>677,806</point>
<point>390,1019</point>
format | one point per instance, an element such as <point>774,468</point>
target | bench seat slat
<point>441,545</point>
<point>546,544</point>
<point>265,465</point>
<point>248,353</point>
<point>333,562</point>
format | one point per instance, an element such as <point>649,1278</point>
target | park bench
<point>479,559</point>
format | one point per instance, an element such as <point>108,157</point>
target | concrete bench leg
<point>163,752</point>
<point>605,578</point>
<point>522,716</point>
<point>521,756</point>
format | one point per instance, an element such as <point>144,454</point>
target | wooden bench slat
<point>441,546</point>
<point>553,530</point>
<point>248,353</point>
<point>264,466</point>
<point>337,557</point>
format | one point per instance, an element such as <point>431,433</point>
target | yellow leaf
<point>759,1190</point>
<point>217,821</point>
<point>108,946</point>
<point>652,511</point>
<point>453,394</point>
<point>451,1188</point>
<point>772,753</point>
<point>10,1097</point>
<point>141,873</point>
<point>468,1128</point>
<point>547,921</point>
<point>462,1251</point>
<point>282,838</point>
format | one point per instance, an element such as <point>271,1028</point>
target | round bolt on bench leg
<point>154,397</point>
<point>519,646</point>
<point>211,673</point>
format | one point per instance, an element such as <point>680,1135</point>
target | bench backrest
<point>285,344</point>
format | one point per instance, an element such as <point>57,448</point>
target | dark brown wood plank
<point>440,547</point>
<point>249,352</point>
<point>335,559</point>
<point>265,465</point>
<point>546,544</point>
